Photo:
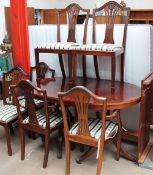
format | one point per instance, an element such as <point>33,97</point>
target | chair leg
<point>60,141</point>
<point>119,136</point>
<point>122,67</point>
<point>100,158</point>
<point>118,146</point>
<point>84,66</point>
<point>67,147</point>
<point>22,137</point>
<point>11,129</point>
<point>8,139</point>
<point>46,150</point>
<point>96,67</point>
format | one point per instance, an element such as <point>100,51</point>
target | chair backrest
<point>146,112</point>
<point>43,70</point>
<point>111,13</point>
<point>27,88</point>
<point>12,77</point>
<point>82,99</point>
<point>72,11</point>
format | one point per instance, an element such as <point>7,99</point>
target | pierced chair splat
<point>43,121</point>
<point>89,131</point>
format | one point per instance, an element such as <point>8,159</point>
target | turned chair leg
<point>100,159</point>
<point>46,150</point>
<point>22,137</point>
<point>67,146</point>
<point>8,139</point>
<point>60,143</point>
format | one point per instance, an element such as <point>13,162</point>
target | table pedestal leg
<point>85,155</point>
<point>72,68</point>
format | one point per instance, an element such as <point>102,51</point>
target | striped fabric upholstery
<point>89,47</point>
<point>55,118</point>
<point>37,102</point>
<point>95,126</point>
<point>8,112</point>
<point>59,45</point>
<point>99,47</point>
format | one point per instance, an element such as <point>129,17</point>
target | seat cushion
<point>55,118</point>
<point>8,112</point>
<point>95,126</point>
<point>38,103</point>
<point>99,47</point>
<point>59,45</point>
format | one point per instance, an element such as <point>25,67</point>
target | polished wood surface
<point>124,95</point>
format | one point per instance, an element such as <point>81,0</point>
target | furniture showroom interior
<point>76,87</point>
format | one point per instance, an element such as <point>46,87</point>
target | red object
<point>19,34</point>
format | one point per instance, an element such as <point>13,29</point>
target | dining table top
<point>124,95</point>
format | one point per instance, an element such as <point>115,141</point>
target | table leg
<point>113,71</point>
<point>85,155</point>
<point>72,67</point>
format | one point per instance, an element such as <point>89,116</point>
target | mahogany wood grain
<point>123,96</point>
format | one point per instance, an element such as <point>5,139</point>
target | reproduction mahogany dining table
<point>124,95</point>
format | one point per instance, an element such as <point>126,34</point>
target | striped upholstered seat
<point>38,103</point>
<point>8,113</point>
<point>55,119</point>
<point>59,45</point>
<point>98,47</point>
<point>95,126</point>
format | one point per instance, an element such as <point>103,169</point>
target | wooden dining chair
<point>88,130</point>
<point>72,11</point>
<point>43,121</point>
<point>109,14</point>
<point>146,117</point>
<point>8,112</point>
<point>44,70</point>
